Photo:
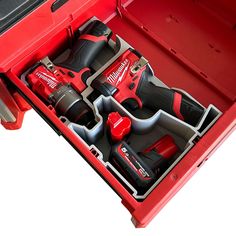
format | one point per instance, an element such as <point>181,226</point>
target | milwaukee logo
<point>51,82</point>
<point>117,76</point>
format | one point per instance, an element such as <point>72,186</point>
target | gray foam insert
<point>147,127</point>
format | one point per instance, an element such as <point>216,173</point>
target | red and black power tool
<point>127,80</point>
<point>60,85</point>
<point>144,168</point>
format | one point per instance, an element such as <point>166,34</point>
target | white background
<point>46,188</point>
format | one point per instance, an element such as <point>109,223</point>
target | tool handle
<point>174,103</point>
<point>87,47</point>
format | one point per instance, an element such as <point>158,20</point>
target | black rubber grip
<point>155,98</point>
<point>85,50</point>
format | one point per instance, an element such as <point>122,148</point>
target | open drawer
<point>190,47</point>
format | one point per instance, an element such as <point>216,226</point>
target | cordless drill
<point>127,80</point>
<point>60,85</point>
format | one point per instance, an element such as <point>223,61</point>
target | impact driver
<point>127,80</point>
<point>60,85</point>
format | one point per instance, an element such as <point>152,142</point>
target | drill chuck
<point>69,103</point>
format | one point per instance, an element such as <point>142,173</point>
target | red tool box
<point>146,157</point>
